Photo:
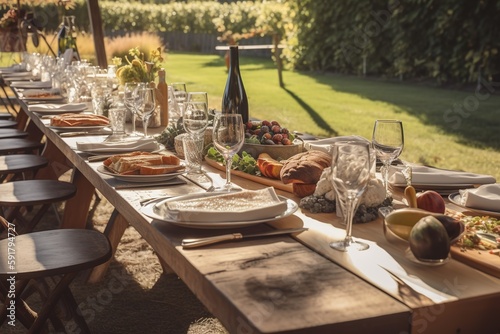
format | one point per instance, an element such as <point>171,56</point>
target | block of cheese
<point>245,205</point>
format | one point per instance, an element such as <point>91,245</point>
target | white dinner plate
<point>150,210</point>
<point>77,128</point>
<point>455,199</point>
<point>31,84</point>
<point>140,178</point>
<point>116,150</point>
<point>442,188</point>
<point>54,109</point>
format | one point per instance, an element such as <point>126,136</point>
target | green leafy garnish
<point>245,163</point>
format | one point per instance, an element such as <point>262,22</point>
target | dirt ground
<point>135,296</point>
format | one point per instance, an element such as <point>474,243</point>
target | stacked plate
<point>442,181</point>
<point>484,200</point>
<point>54,109</point>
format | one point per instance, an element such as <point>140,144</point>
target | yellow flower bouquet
<point>137,69</point>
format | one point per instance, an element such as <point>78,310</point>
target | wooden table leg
<point>58,163</point>
<point>76,210</point>
<point>116,226</point>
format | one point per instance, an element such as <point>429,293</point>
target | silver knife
<point>197,242</point>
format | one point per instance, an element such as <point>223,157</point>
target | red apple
<point>431,201</point>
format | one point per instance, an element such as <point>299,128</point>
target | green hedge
<point>448,41</point>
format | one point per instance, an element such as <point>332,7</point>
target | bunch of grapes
<point>267,133</point>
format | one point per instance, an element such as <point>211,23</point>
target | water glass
<point>193,153</point>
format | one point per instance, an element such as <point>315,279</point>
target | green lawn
<point>328,105</point>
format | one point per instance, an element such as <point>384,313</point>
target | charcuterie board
<point>479,259</point>
<point>277,184</point>
<point>486,260</point>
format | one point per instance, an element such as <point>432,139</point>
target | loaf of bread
<point>134,163</point>
<point>72,119</point>
<point>304,170</point>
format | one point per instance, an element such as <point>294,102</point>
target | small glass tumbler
<point>193,153</point>
<point>117,116</point>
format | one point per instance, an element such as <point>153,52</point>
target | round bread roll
<point>305,168</point>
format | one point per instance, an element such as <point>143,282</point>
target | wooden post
<point>277,55</point>
<point>97,32</point>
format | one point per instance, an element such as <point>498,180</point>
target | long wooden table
<point>289,284</point>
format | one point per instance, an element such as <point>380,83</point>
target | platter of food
<point>42,95</point>
<point>255,178</point>
<point>479,246</point>
<point>142,167</point>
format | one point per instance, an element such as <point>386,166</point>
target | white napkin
<point>43,107</point>
<point>485,197</point>
<point>142,144</point>
<point>433,176</point>
<point>325,144</point>
<point>31,84</point>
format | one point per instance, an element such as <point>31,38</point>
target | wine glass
<point>129,97</point>
<point>180,95</point>
<point>228,137</point>
<point>195,118</point>
<point>146,104</point>
<point>350,173</point>
<point>388,142</point>
<point>197,97</point>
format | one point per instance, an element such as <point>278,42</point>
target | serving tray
<point>277,184</point>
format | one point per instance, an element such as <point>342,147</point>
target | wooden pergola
<point>97,32</point>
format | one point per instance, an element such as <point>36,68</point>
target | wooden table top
<point>297,285</point>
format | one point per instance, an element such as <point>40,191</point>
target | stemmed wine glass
<point>349,176</point>
<point>146,103</point>
<point>129,99</point>
<point>228,137</point>
<point>388,143</point>
<point>195,118</point>
<point>197,97</point>
<point>180,95</point>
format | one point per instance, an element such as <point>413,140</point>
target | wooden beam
<point>97,32</point>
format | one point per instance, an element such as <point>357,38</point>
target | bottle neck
<point>235,63</point>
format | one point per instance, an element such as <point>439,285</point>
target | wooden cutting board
<point>277,184</point>
<point>482,260</point>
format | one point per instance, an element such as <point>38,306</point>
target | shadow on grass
<point>472,117</point>
<point>320,122</point>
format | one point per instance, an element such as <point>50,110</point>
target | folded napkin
<point>46,107</point>
<point>31,84</point>
<point>485,197</point>
<point>142,144</point>
<point>325,144</point>
<point>245,205</point>
<point>433,176</point>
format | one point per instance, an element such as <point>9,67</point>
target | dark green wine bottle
<point>234,99</point>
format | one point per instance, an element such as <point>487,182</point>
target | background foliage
<point>445,41</point>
